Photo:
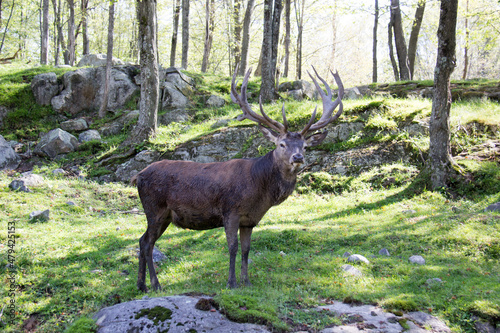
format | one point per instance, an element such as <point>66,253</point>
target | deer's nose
<point>298,158</point>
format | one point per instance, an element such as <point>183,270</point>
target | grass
<point>84,257</point>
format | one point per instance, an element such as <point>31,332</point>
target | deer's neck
<point>275,181</point>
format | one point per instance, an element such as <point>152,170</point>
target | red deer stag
<point>234,194</point>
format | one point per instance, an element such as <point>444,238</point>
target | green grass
<point>78,262</point>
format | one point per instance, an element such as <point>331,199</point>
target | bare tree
<point>71,33</point>
<point>399,38</point>
<point>173,44</point>
<point>185,33</point>
<point>150,83</point>
<point>209,33</point>
<point>272,16</point>
<point>237,27</point>
<point>391,51</point>
<point>109,59</point>
<point>374,52</point>
<point>415,30</point>
<point>299,15</point>
<point>288,11</point>
<point>44,50</point>
<point>85,37</point>
<point>60,43</point>
<point>439,149</point>
<point>246,37</point>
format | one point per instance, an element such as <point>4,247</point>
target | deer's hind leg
<point>157,224</point>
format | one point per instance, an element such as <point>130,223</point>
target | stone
<point>433,282</point>
<point>493,207</point>
<point>220,123</point>
<point>297,95</point>
<point>56,142</point>
<point>344,131</point>
<point>409,211</point>
<point>351,270</point>
<point>175,314</point>
<point>174,116</point>
<point>180,81</point>
<point>352,93</point>
<point>173,98</point>
<point>31,179</point>
<point>74,125</point>
<point>346,254</point>
<point>357,258</point>
<point>127,170</point>
<point>158,255</point>
<point>84,89</point>
<point>417,260</point>
<point>9,159</point>
<point>215,101</point>
<point>39,216</point>
<point>59,171</point>
<point>147,156</point>
<point>384,252</point>
<point>18,185</point>
<point>89,136</point>
<point>97,60</point>
<point>111,129</point>
<point>44,87</point>
<point>426,320</point>
<point>130,116</point>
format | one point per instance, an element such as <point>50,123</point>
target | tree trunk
<point>391,52</point>
<point>85,36</point>
<point>58,29</point>
<point>374,52</point>
<point>7,25</point>
<point>399,38</point>
<point>44,51</point>
<point>246,37</point>
<point>467,37</point>
<point>173,45</point>
<point>209,32</point>
<point>109,59</point>
<point>299,14</point>
<point>237,32</point>
<point>334,36</point>
<point>439,149</point>
<point>71,33</point>
<point>287,36</point>
<point>150,83</point>
<point>272,15</point>
<point>185,33</point>
<point>415,30</point>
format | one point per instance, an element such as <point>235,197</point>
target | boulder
<point>9,160</point>
<point>351,270</point>
<point>181,81</point>
<point>493,207</point>
<point>299,89</point>
<point>419,260</point>
<point>26,179</point>
<point>83,89</point>
<point>89,136</point>
<point>127,170</point>
<point>384,252</point>
<point>357,258</point>
<point>74,125</point>
<point>96,60</point>
<point>56,142</point>
<point>215,101</point>
<point>111,129</point>
<point>173,98</point>
<point>44,87</point>
<point>39,216</point>
<point>352,93</point>
<point>174,116</point>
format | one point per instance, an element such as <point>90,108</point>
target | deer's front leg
<point>231,227</point>
<point>245,237</point>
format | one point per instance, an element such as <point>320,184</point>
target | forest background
<point>336,34</point>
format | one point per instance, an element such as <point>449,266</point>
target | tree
<point>71,34</point>
<point>269,52</point>
<point>209,34</point>
<point>246,37</point>
<point>185,33</point>
<point>237,32</point>
<point>415,30</point>
<point>439,150</point>
<point>85,37</point>
<point>44,49</point>
<point>173,44</point>
<point>374,52</point>
<point>288,11</point>
<point>399,39</point>
<point>299,14</point>
<point>467,37</point>
<point>150,83</point>
<point>7,25</point>
<point>109,59</point>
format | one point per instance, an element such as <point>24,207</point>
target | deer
<point>234,194</point>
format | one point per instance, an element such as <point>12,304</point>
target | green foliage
<point>82,325</point>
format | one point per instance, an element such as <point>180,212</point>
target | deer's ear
<point>316,139</point>
<point>269,134</point>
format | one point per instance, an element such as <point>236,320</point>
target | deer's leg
<point>161,221</point>
<point>231,228</point>
<point>245,235</point>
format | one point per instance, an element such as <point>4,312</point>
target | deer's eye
<point>282,145</point>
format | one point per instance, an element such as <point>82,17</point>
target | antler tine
<point>328,104</point>
<point>311,121</point>
<point>273,124</point>
<point>285,122</point>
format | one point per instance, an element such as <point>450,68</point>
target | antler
<point>328,104</point>
<point>241,100</point>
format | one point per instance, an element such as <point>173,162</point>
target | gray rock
<point>173,98</point>
<point>89,136</point>
<point>344,131</point>
<point>346,254</point>
<point>426,320</point>
<point>9,159</point>
<point>180,316</point>
<point>146,156</point>
<point>111,129</point>
<point>39,216</point>
<point>44,87</point>
<point>83,89</point>
<point>483,326</point>
<point>384,252</point>
<point>31,179</point>
<point>220,123</point>
<point>129,116</point>
<point>59,171</point>
<point>433,282</point>
<point>417,260</point>
<point>215,101</point>
<point>409,211</point>
<point>297,95</point>
<point>76,125</point>
<point>352,93</point>
<point>127,170</point>
<point>180,81</point>
<point>97,60</point>
<point>174,116</point>
<point>56,142</point>
<point>18,185</point>
<point>158,255</point>
<point>351,270</point>
<point>357,258</point>
<point>493,207</point>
